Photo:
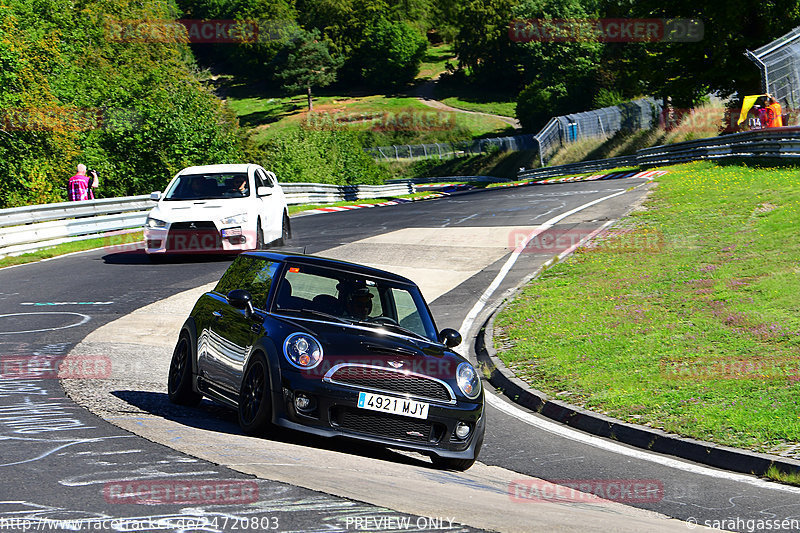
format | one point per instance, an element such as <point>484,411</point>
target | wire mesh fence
<point>779,62</point>
<point>604,122</point>
<point>456,149</point>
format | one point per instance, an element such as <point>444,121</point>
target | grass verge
<point>684,317</point>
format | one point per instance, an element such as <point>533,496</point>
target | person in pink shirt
<point>81,185</point>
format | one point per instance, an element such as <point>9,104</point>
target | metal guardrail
<point>323,193</point>
<point>781,143</point>
<point>585,166</point>
<point>445,179</point>
<point>29,228</point>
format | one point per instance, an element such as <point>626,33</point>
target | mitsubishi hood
<point>189,210</point>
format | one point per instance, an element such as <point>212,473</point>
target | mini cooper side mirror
<point>155,196</point>
<point>263,191</point>
<point>450,337</point>
<point>241,299</point>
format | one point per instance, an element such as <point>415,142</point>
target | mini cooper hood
<point>189,210</point>
<point>343,344</point>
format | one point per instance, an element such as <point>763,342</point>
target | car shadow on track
<point>138,257</point>
<point>214,417</point>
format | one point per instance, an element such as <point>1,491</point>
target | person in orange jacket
<point>773,113</point>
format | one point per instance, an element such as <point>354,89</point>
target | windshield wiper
<point>395,327</point>
<point>318,313</point>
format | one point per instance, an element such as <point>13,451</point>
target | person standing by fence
<point>81,185</point>
<point>773,113</point>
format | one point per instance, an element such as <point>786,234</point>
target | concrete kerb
<point>506,382</point>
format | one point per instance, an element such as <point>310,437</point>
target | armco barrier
<point>577,168</point>
<point>29,228</point>
<point>782,143</point>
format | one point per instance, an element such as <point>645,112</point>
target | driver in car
<point>358,303</point>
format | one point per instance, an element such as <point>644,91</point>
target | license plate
<point>390,404</point>
<point>231,232</point>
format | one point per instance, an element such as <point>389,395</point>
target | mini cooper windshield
<point>335,296</point>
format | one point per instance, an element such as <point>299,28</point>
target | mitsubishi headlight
<point>468,380</point>
<point>302,350</point>
<point>155,223</point>
<point>241,218</point>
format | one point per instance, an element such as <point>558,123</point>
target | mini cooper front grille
<point>390,381</point>
<point>387,426</point>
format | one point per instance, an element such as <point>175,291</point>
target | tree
<point>308,64</point>
<point>561,77</point>
<point>482,43</point>
<point>390,54</point>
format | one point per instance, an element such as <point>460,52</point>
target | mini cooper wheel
<point>452,464</point>
<point>179,383</point>
<point>255,407</point>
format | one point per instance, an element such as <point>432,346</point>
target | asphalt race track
<point>61,462</point>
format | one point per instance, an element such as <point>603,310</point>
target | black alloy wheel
<point>255,407</point>
<point>179,385</point>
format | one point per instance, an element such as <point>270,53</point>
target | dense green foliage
<point>572,76</point>
<point>77,86</point>
<point>74,92</point>
<point>319,156</point>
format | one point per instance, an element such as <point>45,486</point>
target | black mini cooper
<point>334,349</point>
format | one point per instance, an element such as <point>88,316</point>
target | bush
<point>319,156</point>
<point>536,104</point>
<point>134,111</point>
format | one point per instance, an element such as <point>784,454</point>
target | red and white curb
<point>594,177</point>
<point>334,209</point>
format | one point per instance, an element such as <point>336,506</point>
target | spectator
<point>81,185</point>
<point>772,113</point>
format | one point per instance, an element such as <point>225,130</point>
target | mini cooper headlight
<point>155,223</point>
<point>468,380</point>
<point>302,350</point>
<point>241,218</point>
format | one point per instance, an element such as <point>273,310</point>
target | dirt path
<point>424,93</point>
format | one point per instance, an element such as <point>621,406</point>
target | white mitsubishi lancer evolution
<point>218,209</point>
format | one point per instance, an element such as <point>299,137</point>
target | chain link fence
<point>604,122</point>
<point>779,62</point>
<point>450,150</point>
